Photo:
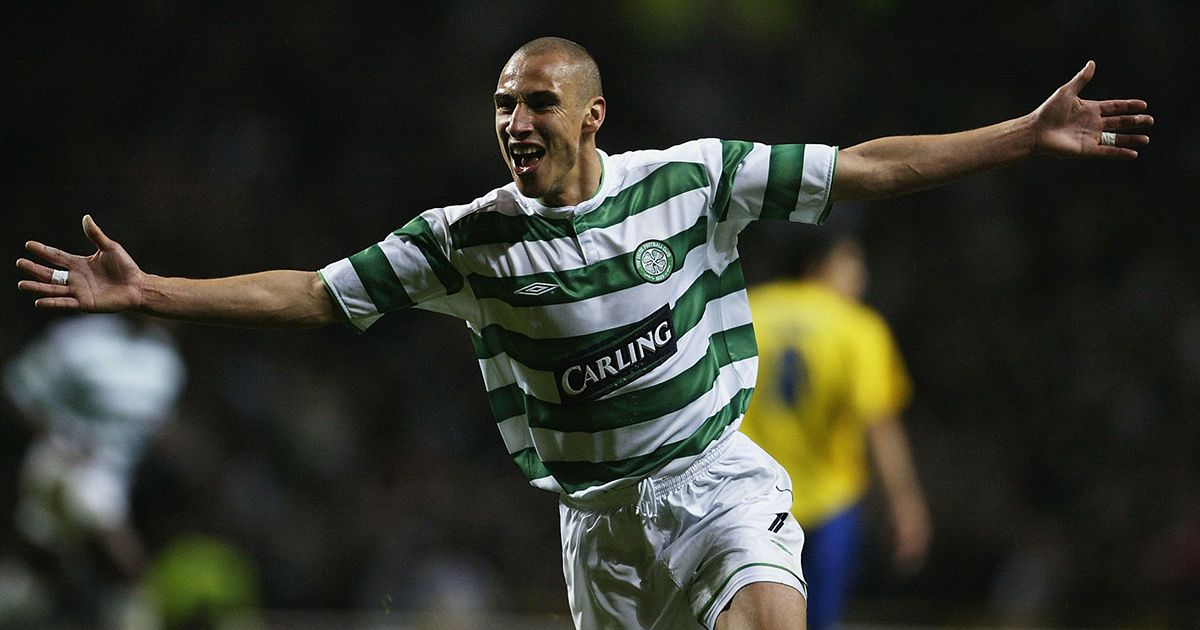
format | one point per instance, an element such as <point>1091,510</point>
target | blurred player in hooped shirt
<point>94,391</point>
<point>831,387</point>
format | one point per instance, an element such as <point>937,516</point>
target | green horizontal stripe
<point>530,464</point>
<point>784,174</point>
<point>667,181</point>
<point>649,402</point>
<point>488,228</point>
<point>543,354</point>
<point>575,476</point>
<point>740,343</point>
<point>420,234</point>
<point>732,154</point>
<point>575,285</point>
<point>486,343</point>
<point>507,401</point>
<point>381,283</point>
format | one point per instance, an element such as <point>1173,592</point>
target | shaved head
<point>548,110</point>
<point>586,72</point>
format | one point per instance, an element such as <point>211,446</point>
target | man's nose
<point>521,122</point>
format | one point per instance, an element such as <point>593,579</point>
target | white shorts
<point>671,552</point>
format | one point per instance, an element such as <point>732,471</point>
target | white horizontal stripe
<point>502,371</point>
<point>674,216</point>
<point>816,183</point>
<point>506,260</point>
<point>351,295</point>
<point>515,433</point>
<point>549,483</point>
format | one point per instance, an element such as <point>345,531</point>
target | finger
<point>1116,153</point>
<point>1132,140</point>
<point>1135,121</point>
<point>45,289</point>
<point>1075,85</point>
<point>57,303</point>
<point>49,254</point>
<point>94,234</point>
<point>1113,107</point>
<point>34,270</point>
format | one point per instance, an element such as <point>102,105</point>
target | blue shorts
<point>831,557</point>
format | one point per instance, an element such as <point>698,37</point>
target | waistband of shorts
<point>660,486</point>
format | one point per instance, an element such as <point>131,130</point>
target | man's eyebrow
<point>540,96</point>
<point>545,96</point>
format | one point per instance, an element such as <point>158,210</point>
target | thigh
<point>746,535</point>
<point>764,606</point>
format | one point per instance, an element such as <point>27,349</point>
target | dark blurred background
<point>1049,312</point>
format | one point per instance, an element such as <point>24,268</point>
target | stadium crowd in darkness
<point>1050,317</point>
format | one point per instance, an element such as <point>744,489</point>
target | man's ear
<point>595,115</point>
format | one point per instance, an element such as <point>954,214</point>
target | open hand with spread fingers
<point>106,281</point>
<point>1072,127</point>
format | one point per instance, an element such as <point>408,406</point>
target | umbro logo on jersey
<point>535,289</point>
<point>617,361</point>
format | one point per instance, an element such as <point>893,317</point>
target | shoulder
<point>501,211</point>
<point>689,160</point>
<point>503,200</point>
<point>498,203</point>
<point>701,151</point>
<point>691,151</point>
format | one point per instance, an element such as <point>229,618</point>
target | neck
<point>585,184</point>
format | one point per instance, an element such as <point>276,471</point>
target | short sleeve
<point>410,267</point>
<point>782,181</point>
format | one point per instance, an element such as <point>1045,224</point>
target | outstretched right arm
<point>109,281</point>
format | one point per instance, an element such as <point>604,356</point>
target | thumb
<point>95,235</point>
<point>1075,85</point>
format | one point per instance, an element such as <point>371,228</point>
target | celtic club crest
<point>654,261</point>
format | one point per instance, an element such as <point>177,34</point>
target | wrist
<point>146,288</point>
<point>1026,130</point>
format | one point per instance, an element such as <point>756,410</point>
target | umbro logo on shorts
<point>777,524</point>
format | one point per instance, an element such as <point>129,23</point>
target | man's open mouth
<point>526,157</point>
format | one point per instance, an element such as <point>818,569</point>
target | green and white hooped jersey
<point>614,336</point>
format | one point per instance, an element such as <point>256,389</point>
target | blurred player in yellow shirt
<point>831,386</point>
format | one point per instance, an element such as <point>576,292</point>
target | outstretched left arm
<point>1063,126</point>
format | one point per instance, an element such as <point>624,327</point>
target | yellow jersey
<point>828,366</point>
